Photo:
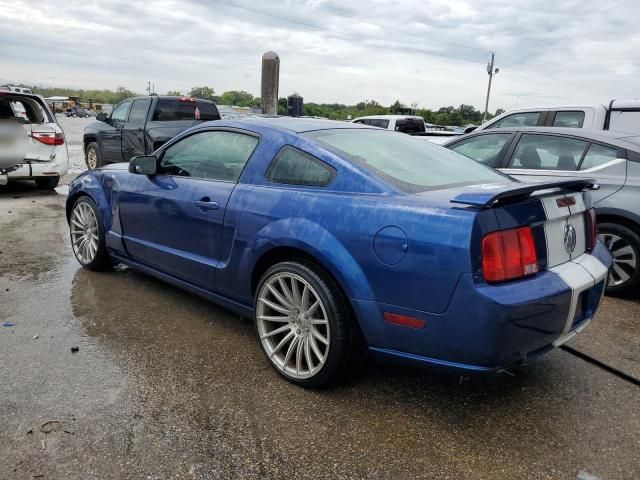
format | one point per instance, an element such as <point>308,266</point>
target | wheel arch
<point>627,219</point>
<point>98,197</point>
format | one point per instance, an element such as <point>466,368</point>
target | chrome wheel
<point>293,325</point>
<point>625,261</point>
<point>84,232</point>
<point>92,159</point>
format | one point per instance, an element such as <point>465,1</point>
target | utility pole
<point>148,88</point>
<point>491,71</point>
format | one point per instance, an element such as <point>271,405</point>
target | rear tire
<point>624,245</point>
<point>92,156</point>
<point>47,183</point>
<point>87,235</point>
<point>321,339</point>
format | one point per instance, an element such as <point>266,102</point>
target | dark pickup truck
<point>139,125</point>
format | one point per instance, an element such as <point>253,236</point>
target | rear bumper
<point>490,327</point>
<point>57,167</point>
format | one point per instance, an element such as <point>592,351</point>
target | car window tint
<point>484,148</point>
<point>410,164</point>
<point>293,166</point>
<point>598,155</point>
<point>546,152</point>
<point>379,122</point>
<point>523,119</point>
<point>138,113</point>
<point>120,112</point>
<point>209,155</point>
<point>410,125</point>
<point>569,119</point>
<point>173,109</point>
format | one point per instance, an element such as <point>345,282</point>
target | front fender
<point>91,185</point>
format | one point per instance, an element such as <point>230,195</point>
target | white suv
<point>32,144</point>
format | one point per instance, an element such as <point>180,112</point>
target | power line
<point>393,45</point>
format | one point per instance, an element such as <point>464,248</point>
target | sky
<point>428,52</point>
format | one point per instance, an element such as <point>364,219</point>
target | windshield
<point>171,109</point>
<point>412,165</point>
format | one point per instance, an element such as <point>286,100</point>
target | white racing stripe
<point>579,274</point>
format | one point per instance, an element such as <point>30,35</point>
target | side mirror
<point>469,129</point>
<point>144,165</point>
<point>101,117</point>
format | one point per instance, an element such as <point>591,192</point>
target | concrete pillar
<point>270,80</point>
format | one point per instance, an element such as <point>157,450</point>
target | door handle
<point>206,204</point>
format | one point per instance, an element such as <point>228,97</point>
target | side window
<point>546,152</point>
<point>379,122</point>
<point>120,112</point>
<point>216,155</point>
<point>358,121</point>
<point>483,148</point>
<point>139,109</point>
<point>523,119</point>
<point>569,119</point>
<point>295,167</point>
<point>598,155</point>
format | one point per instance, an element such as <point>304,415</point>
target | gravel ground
<point>73,130</point>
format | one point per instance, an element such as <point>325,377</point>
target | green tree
<point>206,93</point>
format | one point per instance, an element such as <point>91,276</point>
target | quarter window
<point>546,152</point>
<point>216,155</point>
<point>379,122</point>
<point>598,155</point>
<point>295,167</point>
<point>484,148</point>
<point>120,112</point>
<point>569,119</point>
<point>523,119</point>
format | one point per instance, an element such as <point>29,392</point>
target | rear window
<point>171,109</point>
<point>410,164</point>
<point>410,125</point>
<point>22,109</point>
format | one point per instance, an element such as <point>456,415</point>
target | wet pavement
<point>166,385</point>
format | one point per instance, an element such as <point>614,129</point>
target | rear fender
<point>317,242</point>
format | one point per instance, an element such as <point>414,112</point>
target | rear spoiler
<point>488,195</point>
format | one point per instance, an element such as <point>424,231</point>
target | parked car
<point>32,144</point>
<point>613,159</point>
<point>619,116</point>
<point>409,124</point>
<point>77,111</point>
<point>139,125</point>
<point>335,236</point>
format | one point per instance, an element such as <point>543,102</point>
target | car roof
<point>619,139</point>
<point>298,124</point>
<point>389,117</point>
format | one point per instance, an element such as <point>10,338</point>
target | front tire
<point>92,156</point>
<point>304,324</point>
<point>87,235</point>
<point>47,183</point>
<point>624,245</point>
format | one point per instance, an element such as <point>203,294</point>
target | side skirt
<point>236,307</point>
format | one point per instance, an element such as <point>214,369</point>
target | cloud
<point>422,51</point>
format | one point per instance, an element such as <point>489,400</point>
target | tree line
<point>449,115</point>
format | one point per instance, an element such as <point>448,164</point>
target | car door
<point>173,221</point>
<point>486,148</point>
<point>111,136</point>
<point>133,129</point>
<point>537,157</point>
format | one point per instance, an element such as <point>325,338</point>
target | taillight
<point>590,227</point>
<point>48,138</point>
<point>509,254</point>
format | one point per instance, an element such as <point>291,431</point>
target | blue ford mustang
<point>339,238</point>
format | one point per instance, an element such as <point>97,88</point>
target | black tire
<point>101,261</point>
<point>47,183</point>
<point>630,287</point>
<point>345,340</point>
<point>93,147</point>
